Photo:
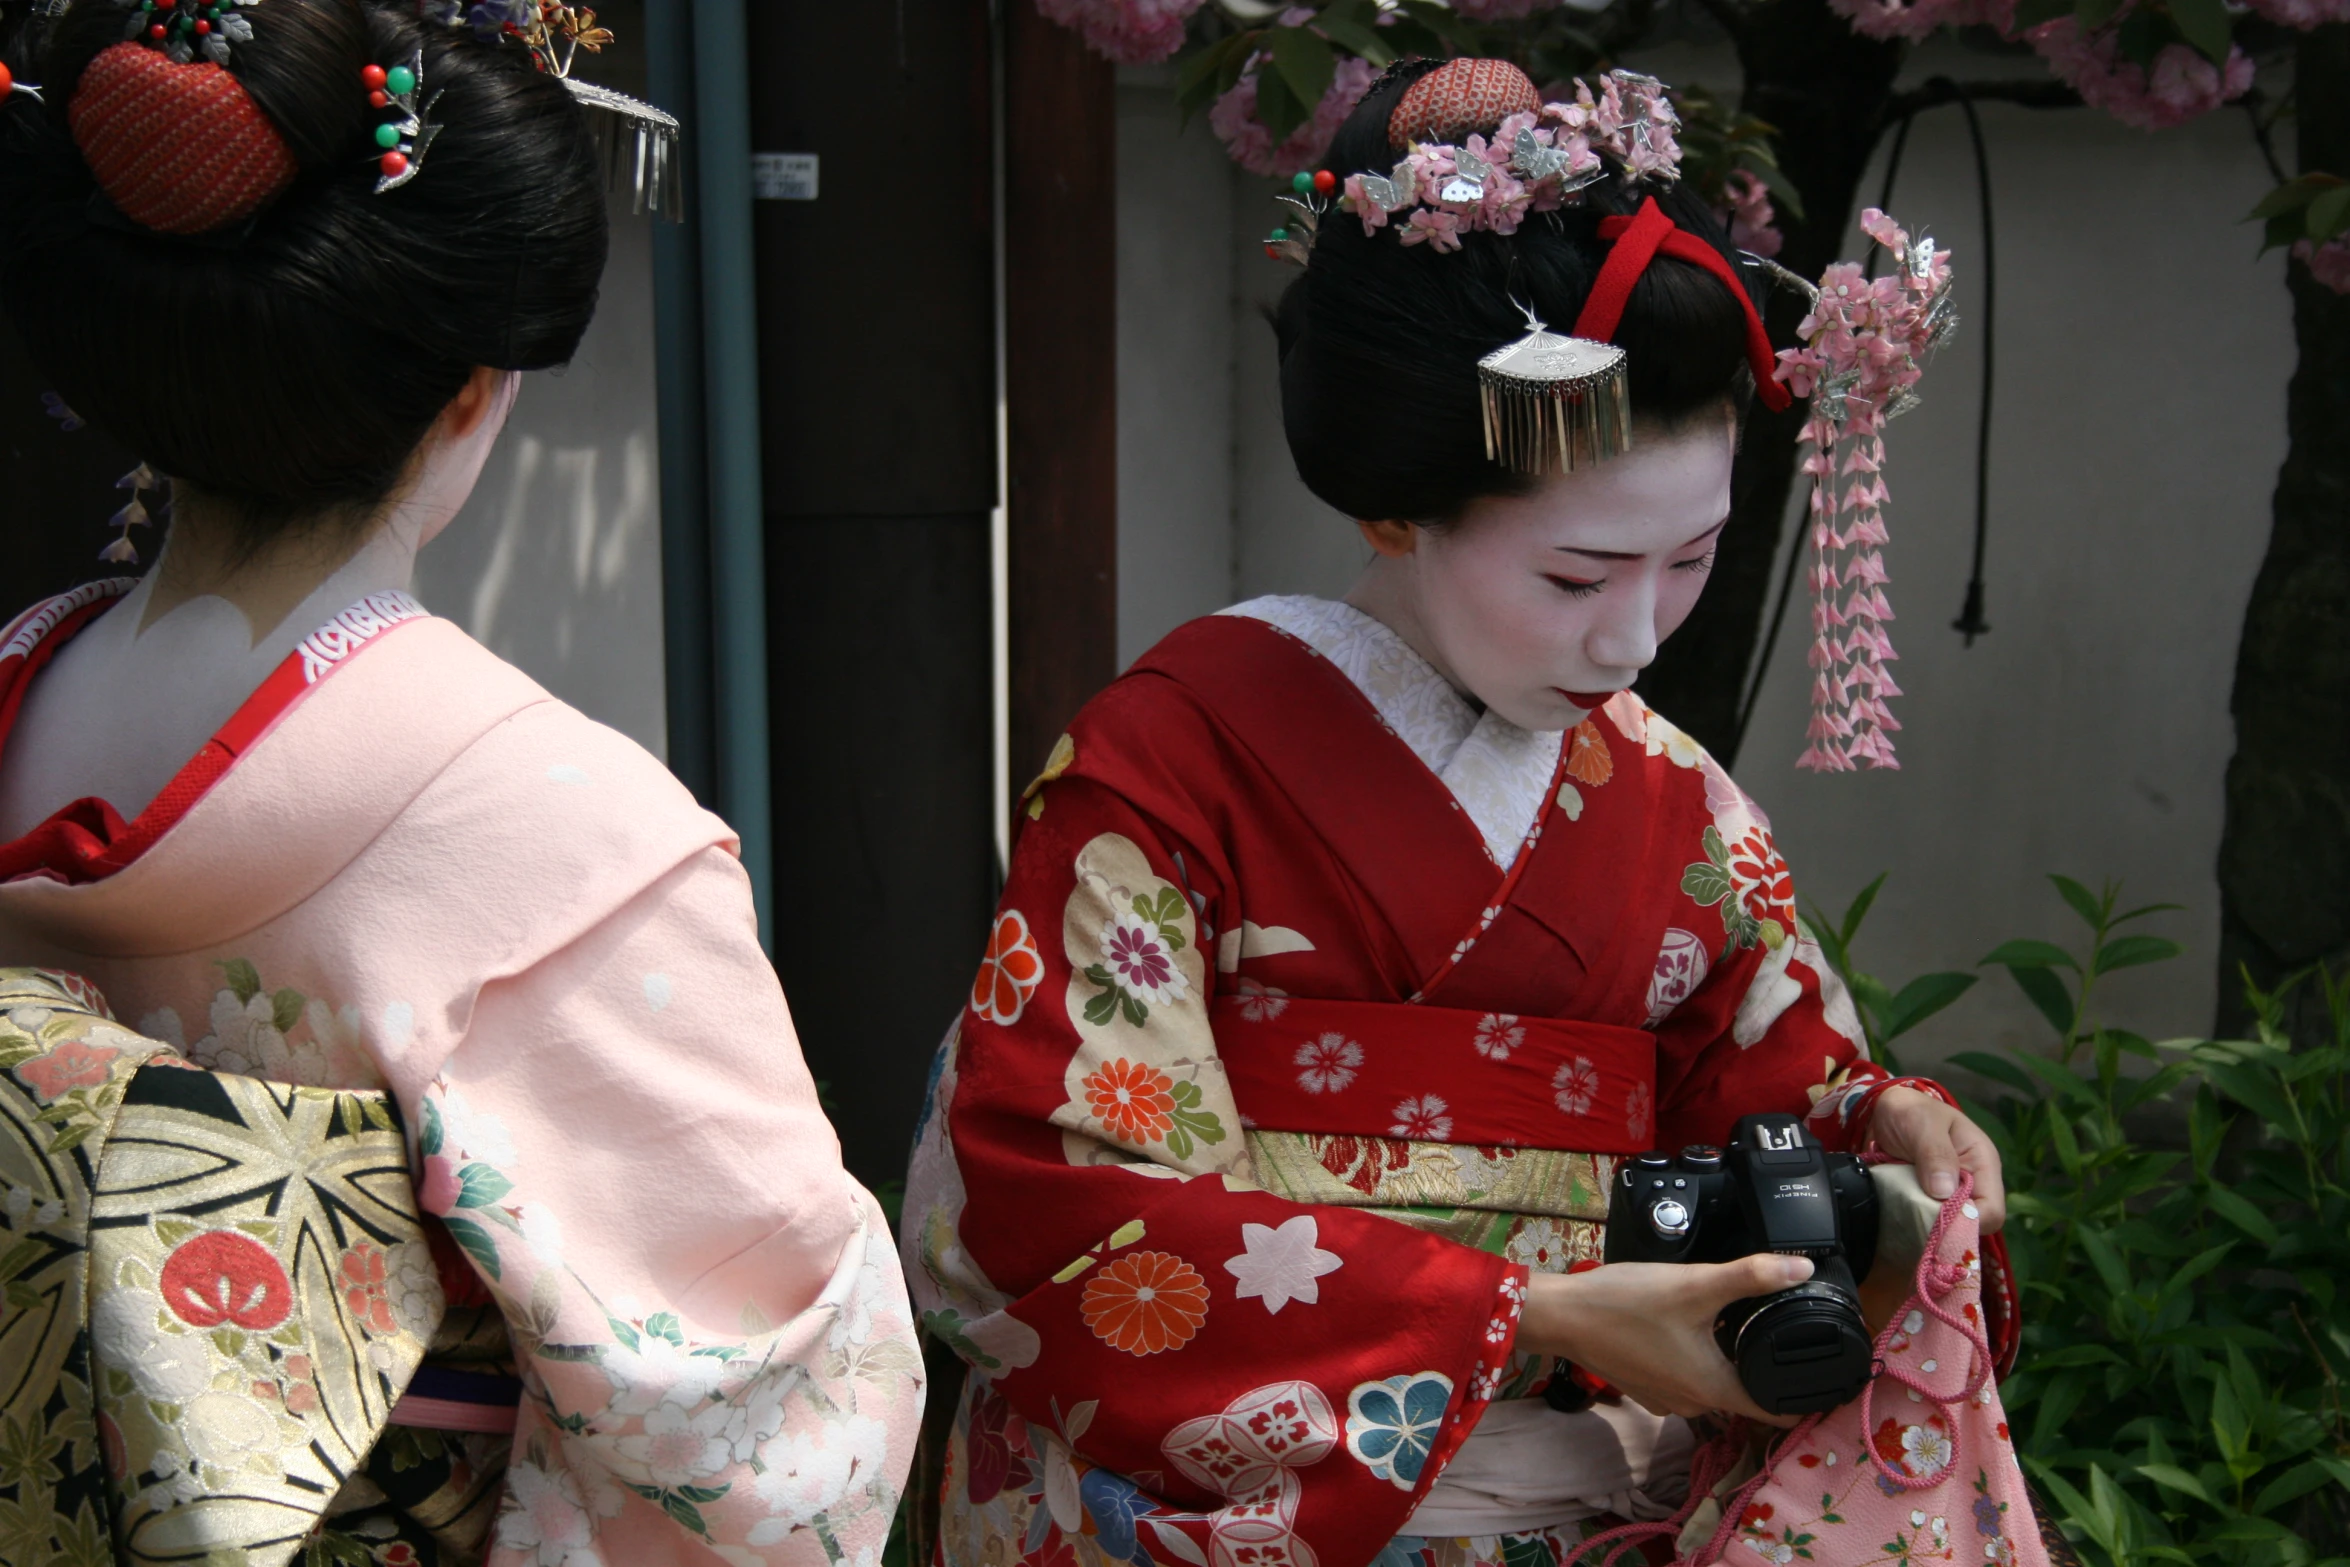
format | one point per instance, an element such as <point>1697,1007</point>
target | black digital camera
<point>1774,1189</point>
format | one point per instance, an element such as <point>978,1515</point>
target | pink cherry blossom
<point>1234,120</point>
<point>2328,263</point>
<point>2182,86</point>
<point>1131,32</point>
<point>1753,224</point>
<point>2303,14</point>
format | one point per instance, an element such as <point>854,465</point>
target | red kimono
<point>1265,981</point>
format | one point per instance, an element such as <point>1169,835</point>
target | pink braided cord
<point>1935,1281</point>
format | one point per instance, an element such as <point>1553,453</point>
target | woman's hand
<point>1921,1129</point>
<point>1648,1328</point>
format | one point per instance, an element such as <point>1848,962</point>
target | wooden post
<point>1060,375</point>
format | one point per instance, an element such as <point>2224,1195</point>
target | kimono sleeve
<point>707,1312</point>
<point>1265,1370</point>
<point>1771,1027</point>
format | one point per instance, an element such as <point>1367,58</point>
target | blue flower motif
<point>1987,1511</point>
<point>1391,1425</point>
<point>1114,1503</point>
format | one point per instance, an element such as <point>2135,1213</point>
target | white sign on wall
<point>783,176</point>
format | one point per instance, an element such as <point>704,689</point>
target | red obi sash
<point>1437,1074</point>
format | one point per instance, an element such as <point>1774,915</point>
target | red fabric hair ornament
<point>1458,97</point>
<point>181,149</point>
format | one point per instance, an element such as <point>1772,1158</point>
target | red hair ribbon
<point>177,148</point>
<point>1637,241</point>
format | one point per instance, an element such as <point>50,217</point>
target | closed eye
<point>1574,587</point>
<point>1703,562</point>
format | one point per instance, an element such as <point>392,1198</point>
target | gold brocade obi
<point>252,1271</point>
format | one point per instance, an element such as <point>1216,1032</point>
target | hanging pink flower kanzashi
<point>1865,344</point>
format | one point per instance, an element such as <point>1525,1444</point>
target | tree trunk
<point>1826,89</point>
<point>2284,855</point>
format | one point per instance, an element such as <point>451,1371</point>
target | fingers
<point>1764,1273</point>
<point>1919,1128</point>
<point>1980,1158</point>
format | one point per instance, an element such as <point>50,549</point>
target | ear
<point>472,404</point>
<point>1391,538</point>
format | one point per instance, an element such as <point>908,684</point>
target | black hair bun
<point>1379,341</point>
<point>291,365</point>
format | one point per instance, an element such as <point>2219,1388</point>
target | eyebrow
<point>1569,549</point>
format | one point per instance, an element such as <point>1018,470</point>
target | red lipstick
<point>1587,700</point>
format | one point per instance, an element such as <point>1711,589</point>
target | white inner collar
<point>1498,773</point>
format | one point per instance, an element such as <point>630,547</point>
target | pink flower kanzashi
<point>2328,263</point>
<point>1130,32</point>
<point>1914,19</point>
<point>1864,346</point>
<point>1435,226</point>
<point>73,1064</point>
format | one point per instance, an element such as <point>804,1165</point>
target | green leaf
<point>2033,13</point>
<point>2029,954</point>
<point>2233,1208</point>
<point>2294,195</point>
<point>1102,1009</point>
<point>2131,951</point>
<point>479,1185</point>
<point>242,977</point>
<point>2172,1478</point>
<point>2256,1090</point>
<point>1862,902</point>
<point>1199,82</point>
<point>1920,999</point>
<point>285,1009</point>
<point>476,1243</point>
<point>2085,903</point>
<point>2328,215</point>
<point>1277,107</point>
<point>2108,1262</point>
<point>2291,1486</point>
<point>2204,24</point>
<point>2095,14</point>
<point>1305,63</point>
<point>428,1136</point>
<point>2045,991</point>
<point>1352,26</point>
<point>1997,1068</point>
<point>687,1515</point>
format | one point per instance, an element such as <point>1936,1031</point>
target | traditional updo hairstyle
<point>242,309</point>
<point>1379,341</point>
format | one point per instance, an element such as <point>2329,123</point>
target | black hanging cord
<point>1762,658</point>
<point>1970,622</point>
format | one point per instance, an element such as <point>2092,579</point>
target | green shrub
<point>2179,1396</point>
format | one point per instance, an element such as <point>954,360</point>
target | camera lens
<point>1800,1350</point>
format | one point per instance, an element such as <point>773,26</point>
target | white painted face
<point>1543,605</point>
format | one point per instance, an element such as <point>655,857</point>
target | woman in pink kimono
<point>290,824</point>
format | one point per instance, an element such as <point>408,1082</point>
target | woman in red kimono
<point>1347,945</point>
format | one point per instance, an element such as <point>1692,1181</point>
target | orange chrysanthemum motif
<point>1146,1302</point>
<point>1588,760</point>
<point>1132,1101</point>
<point>1010,972</point>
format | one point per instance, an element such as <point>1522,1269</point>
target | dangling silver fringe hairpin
<point>1554,404</point>
<point>638,144</point>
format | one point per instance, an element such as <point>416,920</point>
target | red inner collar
<point>88,840</point>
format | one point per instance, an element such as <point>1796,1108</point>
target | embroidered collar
<point>1498,772</point>
<point>88,839</point>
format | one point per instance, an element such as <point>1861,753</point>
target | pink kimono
<point>404,864</point>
